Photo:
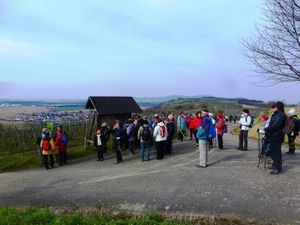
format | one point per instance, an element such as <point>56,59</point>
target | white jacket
<point>157,132</point>
<point>245,121</point>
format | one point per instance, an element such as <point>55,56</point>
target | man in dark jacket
<point>276,135</point>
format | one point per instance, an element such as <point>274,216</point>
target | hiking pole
<point>259,150</point>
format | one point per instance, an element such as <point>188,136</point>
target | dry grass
<point>252,132</point>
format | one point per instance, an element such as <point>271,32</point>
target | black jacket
<point>276,126</point>
<point>95,140</point>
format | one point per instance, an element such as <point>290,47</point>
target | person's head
<point>220,115</point>
<point>292,112</point>
<point>181,114</point>
<point>98,132</point>
<point>145,122</point>
<point>211,114</point>
<point>264,118</point>
<point>44,130</point>
<point>159,120</point>
<point>245,111</point>
<point>204,112</point>
<point>278,106</point>
<point>59,129</point>
<point>198,114</point>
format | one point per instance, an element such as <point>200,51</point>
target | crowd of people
<point>203,128</point>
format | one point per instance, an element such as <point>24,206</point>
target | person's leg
<point>142,151</point>
<point>101,153</point>
<point>147,150</point>
<point>220,141</point>
<point>60,158</point>
<point>291,140</point>
<point>195,135</point>
<point>245,137</point>
<point>51,160</point>
<point>240,146</point>
<point>157,149</point>
<point>98,153</point>
<point>191,133</point>
<point>276,156</point>
<point>202,153</point>
<point>65,157</point>
<point>45,160</point>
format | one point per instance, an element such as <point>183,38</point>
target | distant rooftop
<point>105,105</point>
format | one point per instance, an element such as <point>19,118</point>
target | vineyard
<point>21,137</point>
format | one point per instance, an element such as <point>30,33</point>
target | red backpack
<point>46,145</point>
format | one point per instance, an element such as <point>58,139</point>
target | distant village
<point>54,115</point>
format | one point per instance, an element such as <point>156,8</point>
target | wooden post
<point>91,132</point>
<point>18,140</point>
<point>85,135</point>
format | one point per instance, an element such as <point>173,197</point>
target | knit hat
<point>292,112</point>
<point>264,117</point>
<point>159,120</point>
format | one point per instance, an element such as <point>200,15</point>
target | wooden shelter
<point>109,109</point>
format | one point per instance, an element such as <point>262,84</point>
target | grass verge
<point>18,161</point>
<point>44,216</point>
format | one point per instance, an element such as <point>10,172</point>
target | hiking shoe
<point>276,172</point>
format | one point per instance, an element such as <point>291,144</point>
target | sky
<point>71,49</point>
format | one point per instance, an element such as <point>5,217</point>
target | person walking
<point>197,123</point>
<point>160,134</point>
<point>171,128</point>
<point>118,138</point>
<point>105,134</point>
<point>47,149</point>
<point>61,146</point>
<point>132,135</point>
<point>276,135</point>
<point>220,126</point>
<point>245,123</point>
<point>98,143</point>
<point>291,131</point>
<point>202,135</point>
<point>181,124</point>
<point>145,138</point>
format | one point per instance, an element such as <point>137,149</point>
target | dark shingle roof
<point>112,105</point>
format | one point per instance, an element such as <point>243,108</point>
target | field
<point>9,113</point>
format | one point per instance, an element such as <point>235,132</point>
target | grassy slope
<point>34,216</point>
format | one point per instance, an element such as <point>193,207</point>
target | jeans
<point>145,150</point>
<point>131,146</point>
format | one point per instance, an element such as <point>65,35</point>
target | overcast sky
<point>74,49</point>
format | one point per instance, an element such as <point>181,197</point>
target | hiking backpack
<point>297,125</point>
<point>225,129</point>
<point>46,145</point>
<point>146,134</point>
<point>252,121</point>
<point>64,139</point>
<point>212,130</point>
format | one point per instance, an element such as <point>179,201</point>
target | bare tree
<point>275,50</point>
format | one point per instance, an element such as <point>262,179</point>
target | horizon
<point>61,50</point>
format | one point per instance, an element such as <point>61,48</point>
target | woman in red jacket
<point>197,122</point>
<point>220,125</point>
<point>61,146</point>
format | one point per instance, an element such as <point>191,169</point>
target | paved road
<point>231,185</point>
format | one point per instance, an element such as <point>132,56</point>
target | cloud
<point>7,45</point>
